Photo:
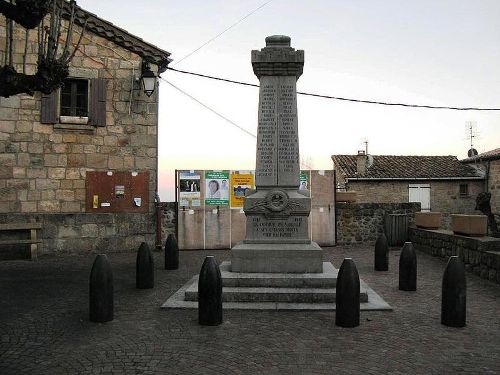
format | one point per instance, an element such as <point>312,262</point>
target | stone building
<point>438,183</point>
<point>82,161</point>
<point>489,163</point>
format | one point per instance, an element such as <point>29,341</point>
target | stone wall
<point>168,219</point>
<point>379,191</point>
<point>445,198</point>
<point>364,222</point>
<point>481,255</point>
<point>43,167</point>
<point>494,187</point>
<point>82,233</point>
<point>445,195</point>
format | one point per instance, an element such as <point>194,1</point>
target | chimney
<point>361,163</point>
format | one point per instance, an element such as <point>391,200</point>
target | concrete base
<point>428,220</point>
<point>280,258</point>
<point>276,291</point>
<point>470,225</point>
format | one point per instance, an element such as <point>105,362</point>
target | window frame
<point>74,93</point>
<point>461,193</point>
<point>73,118</point>
<point>50,111</point>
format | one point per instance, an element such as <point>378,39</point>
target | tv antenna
<point>471,130</point>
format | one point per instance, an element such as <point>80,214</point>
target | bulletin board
<point>117,192</point>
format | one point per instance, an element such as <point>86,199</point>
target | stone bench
<point>33,241</point>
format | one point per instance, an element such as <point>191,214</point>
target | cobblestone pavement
<point>45,329</point>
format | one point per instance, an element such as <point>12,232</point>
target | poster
<point>217,188</point>
<point>303,181</point>
<point>189,189</point>
<point>240,184</point>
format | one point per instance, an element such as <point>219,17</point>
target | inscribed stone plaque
<point>277,140</point>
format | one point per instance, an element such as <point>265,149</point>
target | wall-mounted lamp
<point>148,79</point>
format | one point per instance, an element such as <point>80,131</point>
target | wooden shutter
<point>97,108</point>
<point>48,112</point>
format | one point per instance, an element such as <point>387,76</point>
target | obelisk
<point>277,230</point>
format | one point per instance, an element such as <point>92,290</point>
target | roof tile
<point>406,167</point>
<point>120,36</point>
<point>488,155</point>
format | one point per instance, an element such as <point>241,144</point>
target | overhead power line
<point>408,105</point>
<point>209,108</point>
<point>222,32</point>
<point>217,113</point>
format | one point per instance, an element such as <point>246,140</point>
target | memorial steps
<point>276,287</point>
<point>276,291</point>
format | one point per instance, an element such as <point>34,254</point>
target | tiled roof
<point>121,37</point>
<point>406,167</point>
<point>488,155</point>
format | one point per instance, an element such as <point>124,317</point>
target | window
<point>74,98</point>
<point>80,102</point>
<point>464,190</point>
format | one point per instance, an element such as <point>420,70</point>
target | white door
<point>420,193</point>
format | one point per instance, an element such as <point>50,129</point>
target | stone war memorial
<point>277,266</point>
<point>277,232</point>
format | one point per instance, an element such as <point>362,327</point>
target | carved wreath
<point>276,201</point>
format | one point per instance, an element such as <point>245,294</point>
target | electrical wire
<point>209,108</point>
<point>218,114</point>
<point>222,32</point>
<point>407,105</point>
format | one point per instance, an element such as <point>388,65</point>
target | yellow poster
<point>240,185</point>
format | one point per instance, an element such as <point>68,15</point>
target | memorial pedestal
<point>282,258</point>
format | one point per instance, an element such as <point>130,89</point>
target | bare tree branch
<point>52,67</point>
<point>27,13</point>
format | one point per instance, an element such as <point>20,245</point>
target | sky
<point>435,52</point>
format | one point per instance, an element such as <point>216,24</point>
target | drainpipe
<point>335,205</point>
<point>157,195</point>
<point>487,176</point>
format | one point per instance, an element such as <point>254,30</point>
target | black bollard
<point>381,254</point>
<point>210,293</point>
<point>101,290</point>
<point>171,253</point>
<point>144,268</point>
<point>454,294</point>
<point>347,295</point>
<point>408,268</point>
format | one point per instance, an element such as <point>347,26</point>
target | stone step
<point>326,279</point>
<point>290,295</point>
<point>270,282</point>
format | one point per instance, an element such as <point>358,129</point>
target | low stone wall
<point>87,232</point>
<point>481,255</point>
<point>168,222</point>
<point>364,222</point>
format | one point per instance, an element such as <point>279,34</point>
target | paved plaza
<point>45,328</point>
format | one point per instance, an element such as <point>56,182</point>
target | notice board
<point>117,192</point>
